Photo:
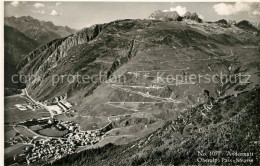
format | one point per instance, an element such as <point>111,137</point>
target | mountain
<point>165,15</point>
<point>40,31</point>
<point>16,46</point>
<point>109,47</point>
<point>222,21</point>
<point>174,16</point>
<point>246,25</point>
<point>139,71</point>
<point>192,16</point>
<point>230,128</point>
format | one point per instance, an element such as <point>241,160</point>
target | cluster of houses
<point>70,126</point>
<point>52,148</point>
<point>33,106</point>
<point>47,149</point>
<point>28,106</point>
<point>78,137</point>
<point>55,148</point>
<point>85,138</point>
<point>19,139</point>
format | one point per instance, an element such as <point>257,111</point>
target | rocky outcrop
<point>246,25</point>
<point>45,57</point>
<point>192,16</point>
<point>166,15</point>
<point>174,16</point>
<point>222,21</point>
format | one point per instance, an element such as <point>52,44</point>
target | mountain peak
<point>192,16</point>
<point>165,15</point>
<point>26,17</point>
<point>174,16</point>
<point>40,31</point>
<point>246,25</point>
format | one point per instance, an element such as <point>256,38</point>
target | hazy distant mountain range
<point>24,34</point>
<point>40,31</point>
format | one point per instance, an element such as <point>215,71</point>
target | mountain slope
<point>16,46</point>
<point>135,75</point>
<point>135,64</point>
<point>40,31</point>
<point>231,127</point>
<point>105,48</point>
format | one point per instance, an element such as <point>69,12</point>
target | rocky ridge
<point>40,31</point>
<point>174,16</point>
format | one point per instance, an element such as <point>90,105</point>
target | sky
<point>79,15</point>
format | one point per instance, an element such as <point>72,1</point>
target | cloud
<point>38,5</point>
<point>179,9</point>
<point>55,13</point>
<point>58,4</point>
<point>15,3</point>
<point>229,9</point>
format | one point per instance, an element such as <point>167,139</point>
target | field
<point>51,132</point>
<point>14,150</point>
<point>24,131</point>
<point>35,127</point>
<point>13,115</point>
<point>9,132</point>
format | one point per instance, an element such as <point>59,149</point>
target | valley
<point>159,87</point>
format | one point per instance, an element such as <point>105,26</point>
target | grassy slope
<point>231,125</point>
